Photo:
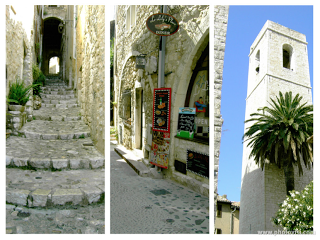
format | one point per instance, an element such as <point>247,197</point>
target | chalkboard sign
<point>161,109</point>
<point>198,163</point>
<point>186,122</point>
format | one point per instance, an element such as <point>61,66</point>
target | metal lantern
<point>60,27</point>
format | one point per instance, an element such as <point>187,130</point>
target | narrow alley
<point>143,205</point>
<point>55,163</point>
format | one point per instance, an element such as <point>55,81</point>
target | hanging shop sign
<point>161,109</point>
<point>186,124</point>
<point>198,163</point>
<point>160,149</point>
<point>162,24</point>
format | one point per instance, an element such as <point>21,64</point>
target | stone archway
<point>180,88</point>
<point>52,41</point>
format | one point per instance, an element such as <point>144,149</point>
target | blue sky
<point>244,24</point>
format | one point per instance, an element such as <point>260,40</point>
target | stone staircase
<point>53,162</point>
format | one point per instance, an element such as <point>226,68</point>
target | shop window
<point>218,231</point>
<point>198,96</point>
<point>131,17</point>
<point>126,105</point>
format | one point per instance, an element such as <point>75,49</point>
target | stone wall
<point>18,49</point>
<point>91,70</point>
<point>19,58</point>
<point>220,32</point>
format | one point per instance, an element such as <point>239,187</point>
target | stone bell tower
<point>278,61</point>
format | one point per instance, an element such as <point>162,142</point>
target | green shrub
<point>296,212</point>
<point>18,93</point>
<point>38,80</point>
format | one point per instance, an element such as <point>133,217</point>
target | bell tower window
<point>257,61</point>
<point>287,56</point>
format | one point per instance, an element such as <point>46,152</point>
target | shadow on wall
<point>261,194</point>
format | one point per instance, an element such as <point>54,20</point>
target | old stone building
<point>185,82</point>
<point>220,33</point>
<point>278,61</point>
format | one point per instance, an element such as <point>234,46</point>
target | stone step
<point>53,189</point>
<point>39,154</point>
<point>58,96</point>
<point>55,83</point>
<point>134,162</point>
<point>55,88</point>
<point>53,101</point>
<point>63,106</point>
<point>57,114</point>
<point>58,91</point>
<point>51,130</point>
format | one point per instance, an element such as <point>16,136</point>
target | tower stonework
<point>278,61</point>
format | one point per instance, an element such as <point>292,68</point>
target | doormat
<point>159,192</point>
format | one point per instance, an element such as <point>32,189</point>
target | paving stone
<point>60,163</point>
<point>17,196</point>
<point>40,163</point>
<point>20,162</point>
<point>92,194</point>
<point>63,196</point>
<point>40,197</point>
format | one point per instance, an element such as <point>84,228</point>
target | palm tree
<point>279,135</point>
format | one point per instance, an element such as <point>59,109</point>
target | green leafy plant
<point>18,93</point>
<point>296,211</point>
<point>38,80</point>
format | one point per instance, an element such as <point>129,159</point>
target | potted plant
<point>19,95</point>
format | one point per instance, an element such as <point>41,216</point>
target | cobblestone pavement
<point>77,220</point>
<point>147,205</point>
<point>55,176</point>
<point>57,154</point>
